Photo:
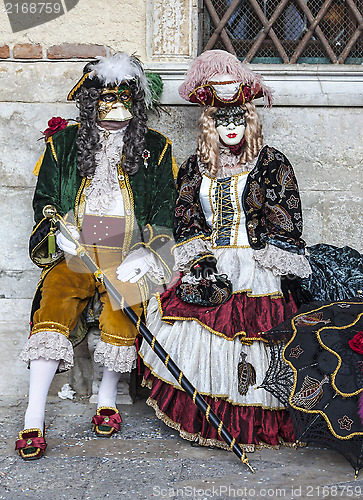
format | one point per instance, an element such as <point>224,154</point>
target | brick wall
<point>29,51</point>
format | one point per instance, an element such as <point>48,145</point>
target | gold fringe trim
<point>213,442</point>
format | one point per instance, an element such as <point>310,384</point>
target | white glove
<point>65,244</point>
<point>134,266</point>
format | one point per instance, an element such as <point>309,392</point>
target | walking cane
<point>50,212</point>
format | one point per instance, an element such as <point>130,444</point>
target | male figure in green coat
<point>111,178</point>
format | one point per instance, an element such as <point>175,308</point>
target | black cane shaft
<point>173,368</point>
<point>190,390</point>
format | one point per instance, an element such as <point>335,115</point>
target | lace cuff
<point>183,254</point>
<point>116,358</point>
<point>282,262</point>
<point>156,271</point>
<point>49,345</point>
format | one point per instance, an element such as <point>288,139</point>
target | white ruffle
<point>116,358</point>
<point>282,262</point>
<point>228,164</point>
<point>49,345</point>
<point>245,273</point>
<point>156,271</point>
<point>209,361</point>
<point>184,253</point>
<point>104,187</point>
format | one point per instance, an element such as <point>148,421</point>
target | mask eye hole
<point>124,95</point>
<point>109,97</point>
<point>226,120</point>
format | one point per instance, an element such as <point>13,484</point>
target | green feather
<point>156,87</point>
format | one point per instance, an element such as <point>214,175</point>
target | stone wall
<point>316,121</point>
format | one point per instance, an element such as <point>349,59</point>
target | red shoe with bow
<point>31,444</point>
<point>106,421</point>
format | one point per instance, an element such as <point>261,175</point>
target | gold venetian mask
<point>115,104</point>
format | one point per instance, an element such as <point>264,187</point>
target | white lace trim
<point>282,262</point>
<point>228,164</point>
<point>49,345</point>
<point>116,358</point>
<point>100,194</point>
<point>184,253</point>
<point>156,271</point>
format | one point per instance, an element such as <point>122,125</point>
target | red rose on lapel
<point>356,343</point>
<point>54,125</point>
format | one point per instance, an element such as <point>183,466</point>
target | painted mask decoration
<point>115,104</point>
<point>230,125</point>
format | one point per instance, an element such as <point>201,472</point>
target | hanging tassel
<point>51,242</point>
<point>246,374</point>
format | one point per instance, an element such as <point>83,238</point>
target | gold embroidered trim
<point>230,246</point>
<point>152,345</point>
<point>239,211</point>
<point>167,360</point>
<point>50,326</point>
<point>80,204</point>
<point>233,442</point>
<point>220,428</point>
<point>39,163</point>
<point>168,143</point>
<point>77,86</point>
<point>174,168</point>
<point>128,198</point>
<point>295,371</point>
<point>344,394</point>
<point>201,237</point>
<point>51,144</point>
<point>207,413</point>
<point>120,341</point>
<point>180,377</point>
<point>194,395</point>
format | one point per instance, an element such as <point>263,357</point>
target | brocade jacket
<point>270,200</point>
<point>149,199</point>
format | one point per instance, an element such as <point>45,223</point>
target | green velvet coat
<point>149,198</point>
<point>151,192</point>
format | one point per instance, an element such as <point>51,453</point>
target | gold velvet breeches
<point>67,288</point>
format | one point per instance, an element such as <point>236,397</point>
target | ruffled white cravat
<point>104,188</point>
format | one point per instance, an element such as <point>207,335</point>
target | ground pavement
<point>148,460</point>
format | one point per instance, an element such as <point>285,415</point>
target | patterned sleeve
<point>275,196</point>
<point>189,220</point>
<point>273,204</point>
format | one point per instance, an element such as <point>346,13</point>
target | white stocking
<point>108,388</point>
<point>42,372</point>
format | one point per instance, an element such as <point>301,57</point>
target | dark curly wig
<point>88,137</point>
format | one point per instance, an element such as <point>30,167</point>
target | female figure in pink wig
<point>238,226</point>
<point>238,214</point>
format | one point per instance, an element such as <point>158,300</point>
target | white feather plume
<point>118,68</point>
